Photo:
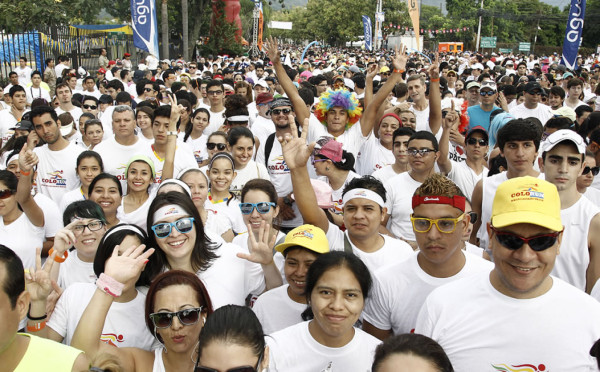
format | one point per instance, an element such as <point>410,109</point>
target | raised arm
<point>261,252</point>
<point>296,154</point>
<point>122,268</point>
<point>169,166</point>
<point>448,123</point>
<point>368,98</point>
<point>435,96</point>
<point>288,86</point>
<point>368,119</point>
<point>27,160</point>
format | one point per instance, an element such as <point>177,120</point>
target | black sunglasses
<point>280,111</point>
<point>473,141</point>
<point>219,146</point>
<point>5,194</point>
<point>473,216</point>
<point>90,107</point>
<point>594,170</point>
<point>186,317</point>
<point>538,243</point>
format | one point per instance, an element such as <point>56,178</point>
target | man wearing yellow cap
<point>518,315</point>
<point>282,307</point>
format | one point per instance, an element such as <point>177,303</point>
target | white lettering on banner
<point>575,24</point>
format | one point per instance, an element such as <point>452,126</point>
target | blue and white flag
<point>573,34</point>
<point>368,32</point>
<point>145,32</point>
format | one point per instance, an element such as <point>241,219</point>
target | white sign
<point>280,25</point>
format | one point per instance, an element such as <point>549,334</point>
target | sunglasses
<point>214,92</point>
<point>473,141</point>
<point>486,93</point>
<point>594,170</point>
<point>473,216</point>
<point>538,243</point>
<point>444,225</point>
<point>186,317</point>
<point>281,111</point>
<point>183,225</point>
<point>421,152</point>
<point>219,146</point>
<point>235,369</point>
<point>5,194</point>
<point>90,107</point>
<point>262,208</point>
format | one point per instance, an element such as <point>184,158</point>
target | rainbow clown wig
<point>338,98</point>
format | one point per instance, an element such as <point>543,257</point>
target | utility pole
<point>479,29</point>
<point>378,24</point>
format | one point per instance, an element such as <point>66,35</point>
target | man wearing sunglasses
<point>532,108</point>
<point>563,160</point>
<point>439,222</point>
<point>528,317</point>
<point>479,115</point>
<point>215,92</point>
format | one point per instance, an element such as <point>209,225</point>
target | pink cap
<point>330,148</point>
<point>323,192</point>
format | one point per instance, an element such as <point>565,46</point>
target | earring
<point>203,320</point>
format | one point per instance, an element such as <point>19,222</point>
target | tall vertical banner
<point>413,11</point>
<point>143,22</point>
<point>573,34</point>
<point>368,32</point>
<point>260,25</point>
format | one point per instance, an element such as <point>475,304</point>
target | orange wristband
<point>58,258</point>
<point>398,71</point>
<point>36,327</point>
<point>435,80</point>
<point>25,173</point>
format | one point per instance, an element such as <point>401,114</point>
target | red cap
<point>218,77</point>
<point>112,63</point>
<point>101,71</point>
<point>126,55</point>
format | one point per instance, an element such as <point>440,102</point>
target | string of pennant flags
<point>391,26</point>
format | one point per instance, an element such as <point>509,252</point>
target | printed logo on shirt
<point>112,339</point>
<point>279,166</point>
<point>519,368</point>
<point>54,179</point>
<point>121,170</point>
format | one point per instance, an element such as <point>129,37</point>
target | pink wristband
<point>109,285</point>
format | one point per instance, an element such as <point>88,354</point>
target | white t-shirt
<point>184,158</point>
<point>23,238</point>
<point>400,190</point>
<point>294,349</point>
<point>139,216</point>
<point>483,330</point>
<point>593,195</point>
<point>399,291</point>
<point>336,195</point>
<point>230,210</point>
<point>393,250</point>
<point>115,157</point>
<point>34,93</point>
<point>373,156</point>
<point>251,171</point>
<point>198,146</point>
<point>216,120</point>
<point>217,222</point>
<point>542,112</point>
<point>53,220</point>
<point>74,270</point>
<point>352,139</point>
<point>288,311</point>
<point>465,177</point>
<point>24,74</point>
<point>385,173</point>
<point>7,121</point>
<point>70,197</point>
<point>422,118</point>
<point>75,113</point>
<point>125,325</point>
<point>262,128</point>
<point>56,172</point>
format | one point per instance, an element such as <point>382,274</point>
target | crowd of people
<point>352,211</point>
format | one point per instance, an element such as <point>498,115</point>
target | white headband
<point>365,194</point>
<point>174,181</point>
<point>170,210</point>
<point>238,118</point>
<point>128,227</point>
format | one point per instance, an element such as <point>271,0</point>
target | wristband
<point>24,173</point>
<point>435,80</point>
<point>34,318</point>
<point>109,285</point>
<point>171,133</point>
<point>398,71</point>
<point>36,327</point>
<point>57,258</point>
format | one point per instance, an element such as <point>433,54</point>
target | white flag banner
<point>280,25</point>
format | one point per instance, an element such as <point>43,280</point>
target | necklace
<point>216,201</point>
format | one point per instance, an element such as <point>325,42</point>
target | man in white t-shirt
<point>400,151</point>
<point>24,72</point>
<point>301,248</point>
<point>532,106</point>
<point>420,107</point>
<point>117,150</point>
<point>530,319</point>
<point>157,151</point>
<point>11,116</point>
<point>56,172</point>
<point>563,159</point>
<point>64,94</point>
<point>574,90</point>
<point>263,125</point>
<point>216,95</point>
<point>423,152</point>
<point>363,205</point>
<point>400,289</point>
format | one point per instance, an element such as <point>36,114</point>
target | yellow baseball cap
<point>305,236</point>
<point>527,200</point>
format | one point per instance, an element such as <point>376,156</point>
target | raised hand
<point>261,250</point>
<point>295,150</point>
<point>175,112</point>
<point>128,265</point>
<point>434,69</point>
<point>272,50</point>
<point>451,117</point>
<point>65,238</point>
<point>37,280</point>
<point>400,58</point>
<point>32,140</point>
<point>372,72</point>
<point>27,158</point>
